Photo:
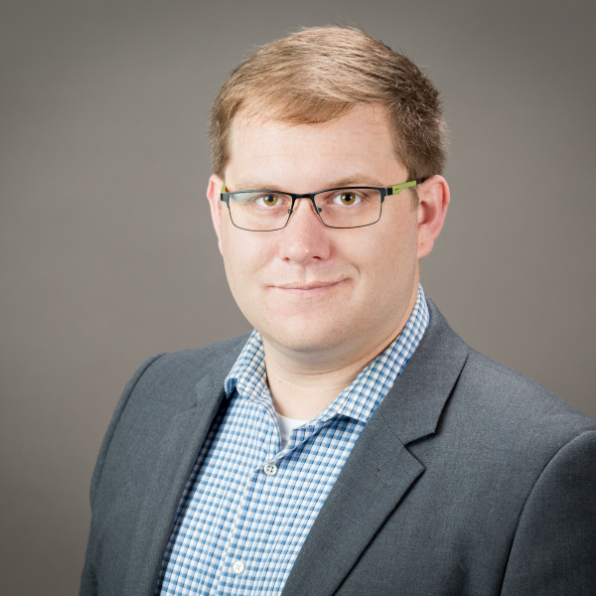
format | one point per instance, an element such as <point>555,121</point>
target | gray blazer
<point>469,479</point>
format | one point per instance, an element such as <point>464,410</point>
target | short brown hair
<point>320,74</point>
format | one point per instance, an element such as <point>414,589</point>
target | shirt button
<point>238,567</point>
<point>270,469</point>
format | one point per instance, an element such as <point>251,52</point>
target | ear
<point>433,195</point>
<point>214,189</point>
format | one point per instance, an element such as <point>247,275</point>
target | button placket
<point>237,566</point>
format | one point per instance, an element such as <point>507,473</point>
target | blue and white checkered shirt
<point>248,504</point>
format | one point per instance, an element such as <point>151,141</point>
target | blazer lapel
<point>374,479</point>
<point>380,468</point>
<point>178,451</point>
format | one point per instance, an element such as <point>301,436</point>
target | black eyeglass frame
<point>384,191</point>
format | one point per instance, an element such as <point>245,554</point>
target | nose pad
<point>316,210</point>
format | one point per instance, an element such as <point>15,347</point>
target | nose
<point>305,237</point>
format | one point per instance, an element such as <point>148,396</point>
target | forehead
<point>310,155</point>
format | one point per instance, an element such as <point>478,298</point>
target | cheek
<point>244,254</point>
<point>395,242</point>
<point>391,258</point>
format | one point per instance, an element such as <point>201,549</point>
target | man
<point>353,444</point>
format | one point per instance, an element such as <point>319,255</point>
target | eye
<point>346,198</point>
<point>268,200</point>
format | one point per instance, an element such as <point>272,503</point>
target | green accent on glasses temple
<point>397,189</point>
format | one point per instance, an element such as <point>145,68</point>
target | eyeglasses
<point>342,208</point>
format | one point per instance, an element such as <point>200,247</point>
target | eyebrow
<point>355,180</point>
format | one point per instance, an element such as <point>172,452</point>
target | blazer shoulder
<point>450,386</point>
<point>167,384</point>
<point>509,400</point>
<point>199,361</point>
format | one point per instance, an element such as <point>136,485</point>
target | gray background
<point>107,253</point>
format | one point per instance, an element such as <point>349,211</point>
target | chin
<point>303,333</point>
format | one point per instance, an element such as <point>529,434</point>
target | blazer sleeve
<point>88,577</point>
<point>554,548</point>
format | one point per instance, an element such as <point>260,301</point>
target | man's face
<point>315,293</point>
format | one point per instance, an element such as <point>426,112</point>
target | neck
<point>302,389</point>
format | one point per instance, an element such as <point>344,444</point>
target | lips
<point>308,286</point>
